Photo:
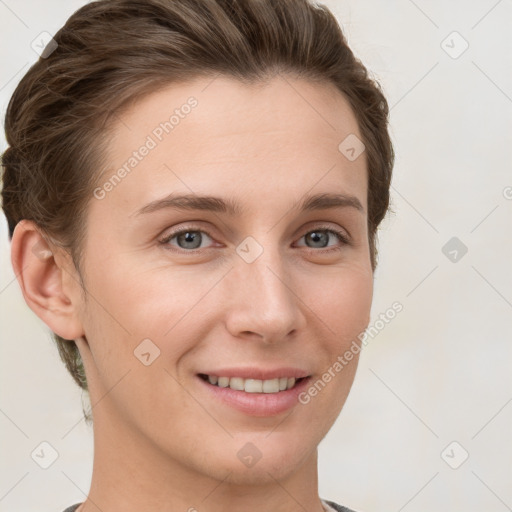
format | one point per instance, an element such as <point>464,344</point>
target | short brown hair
<point>112,52</point>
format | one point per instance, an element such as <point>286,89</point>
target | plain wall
<point>440,371</point>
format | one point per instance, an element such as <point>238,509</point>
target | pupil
<point>190,237</point>
<point>318,237</point>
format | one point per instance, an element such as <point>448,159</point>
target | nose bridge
<point>264,302</point>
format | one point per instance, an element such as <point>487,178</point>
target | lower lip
<point>257,404</point>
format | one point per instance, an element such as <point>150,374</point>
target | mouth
<point>269,386</point>
<point>275,392</point>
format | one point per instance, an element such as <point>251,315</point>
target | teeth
<point>223,382</point>
<point>253,385</point>
<point>236,383</point>
<point>271,386</point>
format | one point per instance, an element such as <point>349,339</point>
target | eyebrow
<point>228,206</point>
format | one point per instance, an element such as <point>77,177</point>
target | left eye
<point>319,238</point>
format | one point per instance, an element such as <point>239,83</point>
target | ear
<point>48,280</point>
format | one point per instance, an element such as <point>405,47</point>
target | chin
<point>262,461</point>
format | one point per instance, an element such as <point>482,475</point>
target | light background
<point>440,371</point>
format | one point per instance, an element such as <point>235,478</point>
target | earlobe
<point>41,269</point>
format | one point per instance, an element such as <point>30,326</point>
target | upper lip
<point>258,373</point>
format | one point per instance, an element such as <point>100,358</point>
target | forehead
<point>222,134</point>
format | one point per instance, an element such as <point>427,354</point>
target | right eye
<point>186,240</point>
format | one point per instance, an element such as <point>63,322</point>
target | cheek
<point>342,302</point>
<point>144,302</point>
<point>130,314</point>
<point>128,306</point>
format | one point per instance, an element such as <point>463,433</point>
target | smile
<point>275,385</point>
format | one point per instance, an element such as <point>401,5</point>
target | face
<point>201,311</point>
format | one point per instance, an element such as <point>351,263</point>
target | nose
<point>263,302</point>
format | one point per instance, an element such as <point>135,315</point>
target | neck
<point>131,474</point>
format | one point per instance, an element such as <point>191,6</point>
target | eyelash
<point>342,237</point>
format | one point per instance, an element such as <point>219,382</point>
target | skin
<point>160,443</point>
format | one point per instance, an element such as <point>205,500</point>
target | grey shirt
<point>339,508</point>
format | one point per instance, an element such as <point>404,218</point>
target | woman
<point>193,191</point>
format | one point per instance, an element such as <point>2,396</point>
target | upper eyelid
<point>172,234</point>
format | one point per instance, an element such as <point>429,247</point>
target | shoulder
<point>72,508</point>
<point>334,506</point>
